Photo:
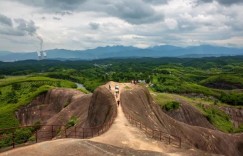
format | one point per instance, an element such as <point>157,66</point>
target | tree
<point>16,86</point>
<point>11,97</point>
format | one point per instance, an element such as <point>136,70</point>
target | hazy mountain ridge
<point>124,51</point>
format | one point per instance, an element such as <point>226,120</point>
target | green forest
<point>217,79</point>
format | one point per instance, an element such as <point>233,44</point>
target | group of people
<point>134,81</point>
<point>116,93</point>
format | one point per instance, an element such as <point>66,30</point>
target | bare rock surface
<point>189,115</point>
<point>236,114</point>
<point>140,105</point>
<point>77,147</point>
<point>102,107</point>
<point>46,106</point>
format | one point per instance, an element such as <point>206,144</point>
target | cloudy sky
<point>85,24</point>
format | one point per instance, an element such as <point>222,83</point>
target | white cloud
<point>142,23</point>
<point>171,23</point>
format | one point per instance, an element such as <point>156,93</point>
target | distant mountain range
<point>126,52</point>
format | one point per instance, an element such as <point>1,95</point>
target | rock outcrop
<point>45,106</point>
<point>140,105</point>
<point>57,107</point>
<point>102,107</point>
<point>189,115</point>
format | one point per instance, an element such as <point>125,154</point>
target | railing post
<point>65,133</point>
<point>83,133</point>
<point>13,139</point>
<point>75,131</point>
<point>36,135</point>
<point>92,131</point>
<point>52,132</point>
<point>169,139</point>
<point>160,136</point>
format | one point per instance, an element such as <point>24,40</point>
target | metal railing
<point>9,137</point>
<point>153,133</point>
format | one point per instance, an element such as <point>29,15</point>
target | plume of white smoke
<point>40,52</point>
<point>41,41</point>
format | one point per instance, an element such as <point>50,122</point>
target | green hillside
<point>18,91</point>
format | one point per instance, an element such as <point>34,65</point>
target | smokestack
<point>39,55</point>
<point>44,55</point>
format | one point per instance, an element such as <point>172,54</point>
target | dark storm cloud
<point>135,11</point>
<point>224,2</point>
<point>54,5</point>
<point>28,27</point>
<point>94,26</point>
<point>5,20</point>
<point>21,27</point>
<point>11,32</point>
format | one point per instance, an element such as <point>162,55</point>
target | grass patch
<point>83,90</point>
<point>127,87</point>
<point>217,117</point>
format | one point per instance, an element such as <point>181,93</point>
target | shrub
<point>71,122</point>
<point>36,126</point>
<point>6,140</point>
<point>173,105</point>
<point>22,135</point>
<point>12,97</point>
<point>16,86</point>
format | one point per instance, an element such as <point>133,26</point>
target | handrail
<point>161,136</point>
<point>79,132</point>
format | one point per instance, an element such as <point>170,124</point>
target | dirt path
<point>123,134</point>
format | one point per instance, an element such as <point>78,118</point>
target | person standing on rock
<point>118,102</point>
<point>110,87</point>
